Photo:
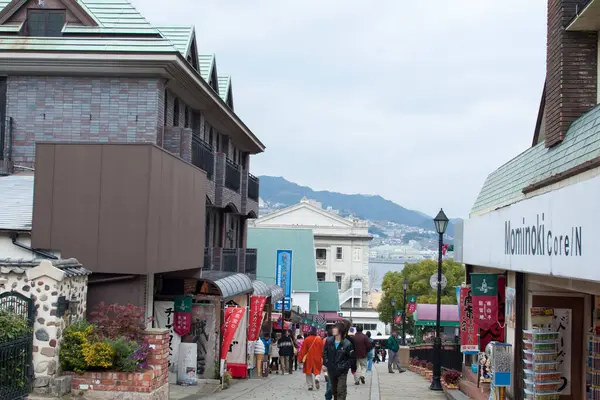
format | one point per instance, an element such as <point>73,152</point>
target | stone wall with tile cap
<point>45,283</point>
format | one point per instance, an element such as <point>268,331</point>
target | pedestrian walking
<point>299,341</point>
<point>361,350</point>
<point>338,356</point>
<point>393,347</point>
<point>259,354</point>
<point>274,351</point>
<point>377,352</point>
<point>370,353</point>
<point>328,393</point>
<point>266,340</point>
<point>311,355</point>
<point>286,352</point>
<point>383,353</point>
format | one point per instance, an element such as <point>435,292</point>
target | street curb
<point>374,384</point>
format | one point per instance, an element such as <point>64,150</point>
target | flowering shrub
<point>429,366</point>
<point>112,341</point>
<point>423,364</point>
<point>451,377</point>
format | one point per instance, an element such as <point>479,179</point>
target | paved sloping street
<point>380,386</point>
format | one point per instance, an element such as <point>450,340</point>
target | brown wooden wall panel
<point>120,208</point>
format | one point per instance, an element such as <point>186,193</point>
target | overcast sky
<point>417,101</point>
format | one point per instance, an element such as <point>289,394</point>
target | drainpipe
<point>38,252</point>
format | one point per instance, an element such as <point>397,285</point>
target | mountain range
<point>372,207</point>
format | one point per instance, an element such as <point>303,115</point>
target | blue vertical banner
<point>283,278</point>
<point>458,299</point>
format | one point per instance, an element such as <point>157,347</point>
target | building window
<point>176,112</point>
<point>166,107</point>
<point>321,276</point>
<point>321,254</point>
<point>186,117</point>
<point>47,23</point>
<point>339,253</point>
<point>338,279</point>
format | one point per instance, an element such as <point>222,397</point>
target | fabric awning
<point>330,316</point>
<point>276,293</point>
<point>234,285</point>
<point>261,289</point>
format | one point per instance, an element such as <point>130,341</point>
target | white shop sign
<point>552,234</point>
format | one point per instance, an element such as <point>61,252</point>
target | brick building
<point>142,166</point>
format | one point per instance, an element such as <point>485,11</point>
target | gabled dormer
<point>184,40</point>
<point>43,18</point>
<point>225,90</point>
<point>208,70</point>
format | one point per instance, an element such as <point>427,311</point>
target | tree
<point>418,275</point>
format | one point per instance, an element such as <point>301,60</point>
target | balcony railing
<point>230,260</point>
<point>232,176</point>
<point>251,261</point>
<point>203,156</point>
<point>253,187</point>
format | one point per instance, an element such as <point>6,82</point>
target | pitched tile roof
<point>504,186</point>
<point>16,202</point>
<point>300,241</point>
<point>224,83</point>
<point>327,297</point>
<point>70,266</point>
<point>206,63</point>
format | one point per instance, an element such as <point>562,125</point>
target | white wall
<point>354,262</point>
<point>302,300</point>
<point>9,250</point>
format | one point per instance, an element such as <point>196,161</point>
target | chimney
<point>571,70</point>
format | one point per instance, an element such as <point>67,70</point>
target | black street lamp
<point>441,223</point>
<point>393,313</point>
<point>405,288</point>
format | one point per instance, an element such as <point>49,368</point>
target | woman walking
<point>299,342</point>
<point>370,353</point>
<point>338,358</point>
<point>311,355</point>
<point>274,349</point>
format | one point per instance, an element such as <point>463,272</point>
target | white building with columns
<point>341,247</point>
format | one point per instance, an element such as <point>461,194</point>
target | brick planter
<point>150,384</point>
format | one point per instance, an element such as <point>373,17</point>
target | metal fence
<point>232,176</point>
<point>16,370</point>
<point>451,357</point>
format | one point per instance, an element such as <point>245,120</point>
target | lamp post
<point>441,223</point>
<point>393,313</point>
<point>405,288</point>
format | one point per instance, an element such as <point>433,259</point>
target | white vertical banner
<point>239,347</point>
<point>163,318</point>
<point>563,323</point>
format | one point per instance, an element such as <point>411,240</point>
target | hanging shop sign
<point>257,304</point>
<point>468,329</point>
<point>283,278</point>
<point>183,315</point>
<point>233,317</point>
<point>546,234</point>
<point>412,304</point>
<point>484,292</point>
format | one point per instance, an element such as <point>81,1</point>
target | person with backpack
<point>286,352</point>
<point>338,357</point>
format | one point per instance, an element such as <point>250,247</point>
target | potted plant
<point>429,370</point>
<point>423,365</point>
<point>451,379</point>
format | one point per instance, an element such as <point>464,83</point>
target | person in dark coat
<point>286,352</point>
<point>338,357</point>
<point>362,345</point>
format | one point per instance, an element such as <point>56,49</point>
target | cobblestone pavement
<point>380,386</point>
<point>276,387</point>
<point>406,385</point>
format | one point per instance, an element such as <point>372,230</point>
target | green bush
<point>71,351</point>
<point>124,350</point>
<point>13,326</point>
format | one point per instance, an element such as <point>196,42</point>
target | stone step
<point>473,392</point>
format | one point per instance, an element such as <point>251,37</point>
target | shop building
<point>535,220</point>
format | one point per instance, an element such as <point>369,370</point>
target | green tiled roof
<point>224,83</point>
<point>504,186</point>
<point>327,297</point>
<point>300,241</point>
<point>180,36</point>
<point>206,63</point>
<point>92,44</point>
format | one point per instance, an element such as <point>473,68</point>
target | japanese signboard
<point>562,324</point>
<point>257,304</point>
<point>183,315</point>
<point>233,317</point>
<point>484,292</point>
<point>283,278</point>
<point>163,318</point>
<point>468,330</point>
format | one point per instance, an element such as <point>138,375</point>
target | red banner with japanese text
<point>257,304</point>
<point>233,317</point>
<point>468,329</point>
